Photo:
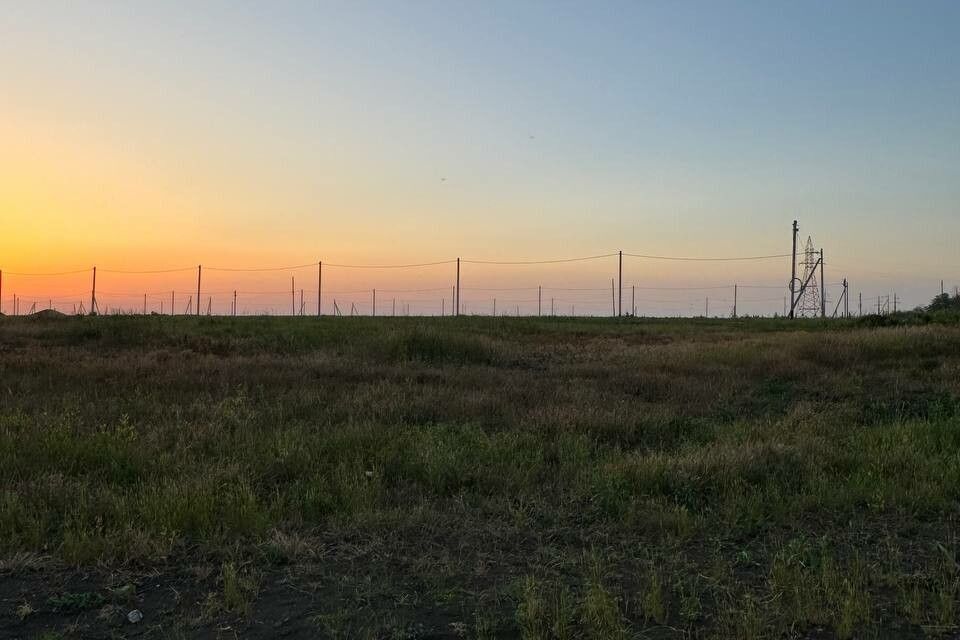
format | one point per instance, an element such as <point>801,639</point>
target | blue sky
<point>503,129</point>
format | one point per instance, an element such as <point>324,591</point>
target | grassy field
<point>479,478</point>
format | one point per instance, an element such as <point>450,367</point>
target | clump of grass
<point>532,610</point>
<point>237,592</point>
<point>743,618</point>
<point>946,588</point>
<point>424,344</point>
<point>910,602</point>
<point>814,589</point>
<point>545,611</point>
<point>484,625</point>
<point>22,561</point>
<point>600,611</point>
<point>76,601</point>
<point>653,599</point>
<point>691,606</point>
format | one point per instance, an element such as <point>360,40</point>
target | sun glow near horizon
<point>143,136</point>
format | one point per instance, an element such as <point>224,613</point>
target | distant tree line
<point>945,302</point>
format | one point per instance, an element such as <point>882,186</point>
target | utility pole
<point>144,304</point>
<point>539,298</point>
<point>374,312</point>
<point>894,301</point>
<point>1,291</point>
<point>706,307</point>
<point>793,270</point>
<point>293,297</point>
<point>234,302</point>
<point>613,299</point>
<point>633,301</point>
<point>458,287</point>
<point>494,307</point>
<point>620,286</point>
<point>551,307</point>
<point>846,299</point>
<point>319,285</point>
<point>734,301</point>
<point>394,310</point>
<point>93,295</point>
<point>823,289</point>
<point>301,302</point>
<point>199,267</point>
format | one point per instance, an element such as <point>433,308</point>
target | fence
<point>605,284</point>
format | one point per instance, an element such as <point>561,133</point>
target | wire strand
<point>555,261</point>
<point>712,288</point>
<point>57,273</point>
<point>148,271</point>
<point>388,266</point>
<point>262,269</point>
<point>697,259</point>
<point>416,290</point>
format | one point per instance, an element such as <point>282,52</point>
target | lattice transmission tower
<point>809,305</point>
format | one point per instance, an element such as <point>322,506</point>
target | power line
<point>698,259</point>
<point>347,293</point>
<point>764,286</point>
<point>712,288</point>
<point>444,288</point>
<point>58,273</point>
<point>388,266</point>
<point>65,296</point>
<point>102,270</point>
<point>499,288</point>
<point>262,269</point>
<point>554,261</point>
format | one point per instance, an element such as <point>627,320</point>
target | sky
<point>144,135</point>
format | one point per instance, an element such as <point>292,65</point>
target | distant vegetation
<point>480,477</point>
<point>945,302</point>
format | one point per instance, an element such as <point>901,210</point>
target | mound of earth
<point>48,314</point>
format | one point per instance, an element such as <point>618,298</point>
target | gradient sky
<point>153,135</point>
